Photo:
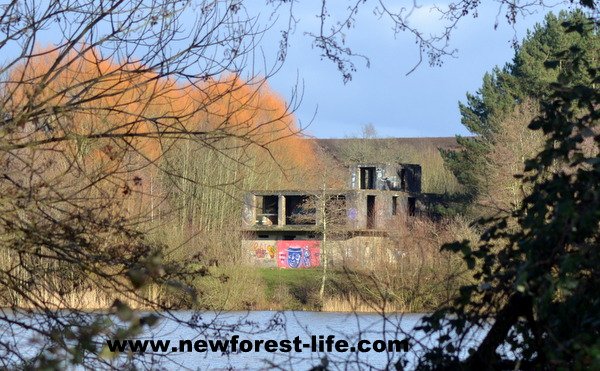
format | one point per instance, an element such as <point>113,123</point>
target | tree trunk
<point>485,357</point>
<point>323,251</point>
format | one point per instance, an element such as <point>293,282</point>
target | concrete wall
<point>277,253</point>
<point>388,177</point>
<point>356,211</point>
<point>260,252</point>
<point>383,172</point>
<point>357,251</point>
<point>357,208</point>
<point>360,251</point>
<point>278,244</point>
<point>249,210</point>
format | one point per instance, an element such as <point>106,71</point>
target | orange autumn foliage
<point>115,120</point>
<point>255,111</point>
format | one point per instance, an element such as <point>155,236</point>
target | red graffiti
<point>298,254</point>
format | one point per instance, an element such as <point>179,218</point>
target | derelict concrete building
<point>285,228</point>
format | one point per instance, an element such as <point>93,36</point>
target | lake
<point>288,325</point>
<point>202,327</point>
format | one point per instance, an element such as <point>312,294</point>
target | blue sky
<point>424,103</point>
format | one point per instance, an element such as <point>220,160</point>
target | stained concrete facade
<point>392,177</point>
<point>377,195</point>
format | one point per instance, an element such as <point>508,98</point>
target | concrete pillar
<point>354,181</point>
<point>249,210</point>
<point>281,210</point>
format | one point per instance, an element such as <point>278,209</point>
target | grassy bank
<point>246,288</point>
<point>346,291</point>
<point>418,279</point>
<point>298,289</point>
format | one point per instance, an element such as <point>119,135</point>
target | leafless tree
<point>337,19</point>
<point>93,95</point>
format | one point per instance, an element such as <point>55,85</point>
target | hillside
<point>342,149</point>
<point>423,151</point>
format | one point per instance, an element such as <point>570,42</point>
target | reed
<point>88,300</point>
<point>354,303</point>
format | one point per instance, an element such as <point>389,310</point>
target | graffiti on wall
<point>261,252</point>
<point>263,249</point>
<point>298,254</point>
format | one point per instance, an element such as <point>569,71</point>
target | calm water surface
<point>288,325</point>
<point>264,325</point>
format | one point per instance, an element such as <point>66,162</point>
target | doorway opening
<point>367,178</point>
<point>370,212</point>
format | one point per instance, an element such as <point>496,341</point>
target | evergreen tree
<point>525,77</point>
<point>537,283</point>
